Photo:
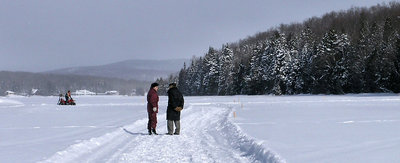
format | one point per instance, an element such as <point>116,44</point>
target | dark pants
<point>152,120</point>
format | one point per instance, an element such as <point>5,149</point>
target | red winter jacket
<point>152,100</point>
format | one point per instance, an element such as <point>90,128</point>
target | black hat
<point>154,85</point>
<point>172,84</point>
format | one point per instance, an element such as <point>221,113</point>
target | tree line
<point>353,51</point>
<point>51,84</point>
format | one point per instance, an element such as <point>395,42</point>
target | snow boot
<point>154,131</point>
<point>150,132</point>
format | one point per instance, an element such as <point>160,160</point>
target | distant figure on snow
<point>68,99</point>
<point>68,96</point>
<point>175,105</point>
<point>61,100</point>
<point>152,108</point>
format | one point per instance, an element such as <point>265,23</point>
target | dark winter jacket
<point>175,99</point>
<point>152,100</point>
<point>67,97</point>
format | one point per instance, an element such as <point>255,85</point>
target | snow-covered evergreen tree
<point>306,45</point>
<point>267,68</point>
<point>226,66</point>
<point>359,68</point>
<point>374,52</point>
<point>340,70</point>
<point>292,64</point>
<point>281,67</point>
<point>212,72</point>
<point>386,63</point>
<point>238,84</point>
<point>198,77</point>
<point>324,63</point>
<point>189,78</point>
<point>254,76</point>
<point>195,76</point>
<point>396,76</point>
<point>182,80</point>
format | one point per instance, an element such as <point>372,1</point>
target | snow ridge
<point>207,135</point>
<point>249,146</point>
<point>5,103</point>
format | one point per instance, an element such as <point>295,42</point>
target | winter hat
<point>172,85</point>
<point>154,85</point>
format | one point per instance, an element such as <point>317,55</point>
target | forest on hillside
<point>352,51</point>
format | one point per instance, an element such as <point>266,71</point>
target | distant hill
<point>141,70</point>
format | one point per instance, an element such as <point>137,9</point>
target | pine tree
<point>292,64</point>
<point>307,47</point>
<point>267,68</point>
<point>197,77</point>
<point>212,72</point>
<point>387,30</point>
<point>387,61</point>
<point>324,63</point>
<point>182,80</point>
<point>340,70</point>
<point>254,77</point>
<point>374,47</point>
<point>238,84</point>
<point>280,64</point>
<point>226,71</point>
<point>353,77</point>
<point>189,78</point>
<point>396,76</point>
<point>359,76</point>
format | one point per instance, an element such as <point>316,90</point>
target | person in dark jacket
<point>68,99</point>
<point>68,96</point>
<point>152,108</point>
<point>175,105</point>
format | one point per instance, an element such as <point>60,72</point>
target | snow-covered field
<point>349,128</point>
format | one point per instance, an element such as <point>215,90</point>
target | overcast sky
<point>40,35</point>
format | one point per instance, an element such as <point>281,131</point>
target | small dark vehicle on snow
<point>61,101</point>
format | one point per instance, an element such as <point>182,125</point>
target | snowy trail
<point>207,135</point>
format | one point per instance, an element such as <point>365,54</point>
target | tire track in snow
<point>207,135</point>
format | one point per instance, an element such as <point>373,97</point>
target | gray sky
<point>40,35</point>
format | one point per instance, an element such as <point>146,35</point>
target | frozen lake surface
<point>348,128</point>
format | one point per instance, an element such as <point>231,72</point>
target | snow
<point>83,92</point>
<point>349,128</point>
<point>4,103</point>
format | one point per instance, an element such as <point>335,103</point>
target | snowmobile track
<point>207,135</point>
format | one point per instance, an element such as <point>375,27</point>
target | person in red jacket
<point>152,108</point>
